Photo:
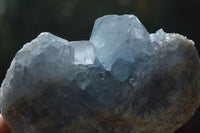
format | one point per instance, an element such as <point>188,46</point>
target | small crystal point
<point>84,52</point>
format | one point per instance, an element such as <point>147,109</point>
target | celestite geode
<point>123,80</point>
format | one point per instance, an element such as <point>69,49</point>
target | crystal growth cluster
<point>123,80</point>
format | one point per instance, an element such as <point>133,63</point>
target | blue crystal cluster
<point>123,80</point>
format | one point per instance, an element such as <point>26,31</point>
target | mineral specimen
<point>124,80</point>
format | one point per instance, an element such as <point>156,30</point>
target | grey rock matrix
<point>123,80</point>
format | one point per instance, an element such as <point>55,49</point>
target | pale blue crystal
<point>84,52</point>
<point>115,36</point>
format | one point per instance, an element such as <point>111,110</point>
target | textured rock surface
<point>124,80</point>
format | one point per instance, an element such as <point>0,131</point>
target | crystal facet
<point>83,52</point>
